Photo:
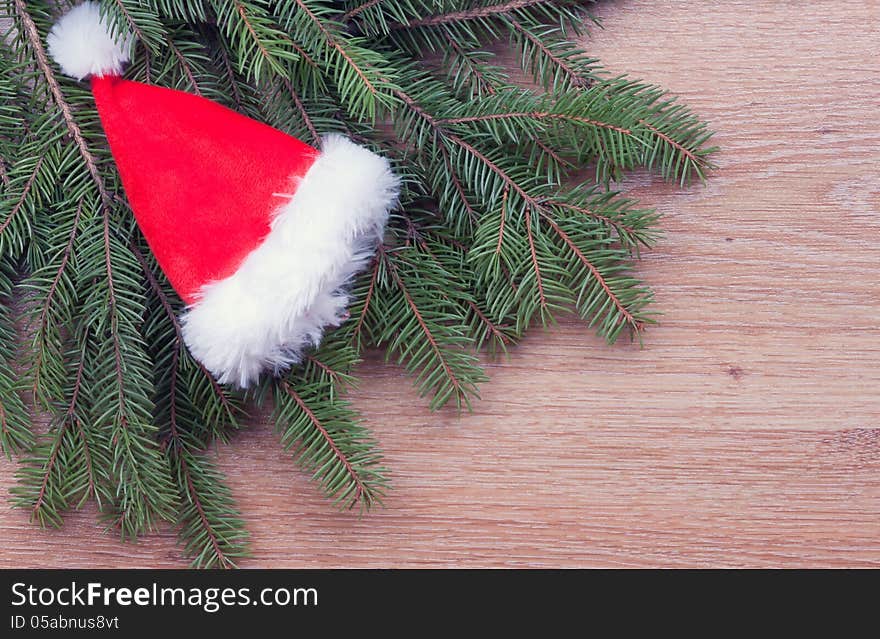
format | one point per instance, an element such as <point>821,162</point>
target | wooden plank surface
<point>745,433</point>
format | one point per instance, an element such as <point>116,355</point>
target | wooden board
<point>745,433</point>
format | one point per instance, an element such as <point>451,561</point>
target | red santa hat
<point>258,232</point>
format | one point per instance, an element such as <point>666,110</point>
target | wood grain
<point>744,433</point>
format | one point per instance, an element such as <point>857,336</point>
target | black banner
<point>122,602</point>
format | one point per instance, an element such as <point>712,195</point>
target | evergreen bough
<point>493,235</point>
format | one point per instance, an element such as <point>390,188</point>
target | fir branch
<point>497,335</point>
<point>15,428</point>
<point>307,120</point>
<point>35,42</point>
<point>495,168</point>
<point>138,18</point>
<point>475,13</point>
<point>630,226</point>
<point>456,385</point>
<point>15,432</point>
<point>564,69</point>
<point>44,335</point>
<point>373,270</point>
<point>128,20</point>
<point>334,375</point>
<point>203,521</point>
<point>184,65</point>
<point>209,524</point>
<point>621,309</point>
<point>262,49</point>
<point>50,466</point>
<point>475,72</point>
<point>672,164</point>
<point>93,489</point>
<point>363,77</point>
<point>228,409</point>
<point>119,384</point>
<point>25,191</point>
<point>220,531</point>
<point>537,298</point>
<point>182,10</point>
<point>210,527</point>
<point>359,486</point>
<point>536,267</point>
<point>56,471</point>
<point>334,44</point>
<point>226,65</point>
<point>113,313</point>
<point>456,183</point>
<point>484,242</point>
<point>502,222</point>
<point>41,510</point>
<point>346,17</point>
<point>424,334</point>
<point>250,29</point>
<point>65,258</point>
<point>553,154</point>
<point>324,437</point>
<point>436,125</point>
<point>537,115</point>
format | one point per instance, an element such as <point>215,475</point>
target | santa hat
<point>258,232</point>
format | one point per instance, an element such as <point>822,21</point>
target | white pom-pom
<point>81,44</point>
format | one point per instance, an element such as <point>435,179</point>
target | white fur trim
<point>81,44</point>
<point>292,286</point>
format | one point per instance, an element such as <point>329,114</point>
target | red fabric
<point>200,177</point>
